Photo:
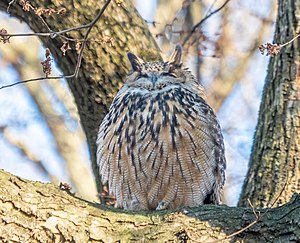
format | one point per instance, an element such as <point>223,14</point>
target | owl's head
<point>153,76</point>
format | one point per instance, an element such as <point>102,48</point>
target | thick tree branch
<point>33,211</point>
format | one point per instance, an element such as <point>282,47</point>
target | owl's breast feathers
<point>161,149</point>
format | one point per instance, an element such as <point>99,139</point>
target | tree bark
<point>37,212</point>
<point>104,65</point>
<point>275,161</point>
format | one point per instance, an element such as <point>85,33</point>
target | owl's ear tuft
<point>134,61</point>
<point>175,58</point>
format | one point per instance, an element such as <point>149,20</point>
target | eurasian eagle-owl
<point>160,145</point>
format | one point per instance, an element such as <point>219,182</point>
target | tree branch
<point>33,211</point>
<point>53,34</point>
<point>196,26</point>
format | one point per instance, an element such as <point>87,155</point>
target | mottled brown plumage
<point>160,146</point>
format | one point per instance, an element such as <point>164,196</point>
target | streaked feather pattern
<point>160,146</point>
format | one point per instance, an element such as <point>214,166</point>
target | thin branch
<point>210,7</point>
<point>257,216</point>
<point>27,34</point>
<point>44,22</point>
<point>289,42</point>
<point>74,28</point>
<point>86,36</point>
<point>10,3</point>
<point>79,59</point>
<point>53,34</point>
<point>202,21</point>
<point>253,209</point>
<point>35,79</point>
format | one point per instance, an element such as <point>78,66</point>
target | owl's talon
<point>162,206</point>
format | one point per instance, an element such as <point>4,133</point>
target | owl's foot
<point>134,204</point>
<point>162,205</point>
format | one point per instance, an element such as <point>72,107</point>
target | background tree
<point>91,98</point>
<point>275,163</point>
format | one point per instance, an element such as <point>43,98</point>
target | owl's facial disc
<point>156,75</point>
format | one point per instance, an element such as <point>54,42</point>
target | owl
<point>160,146</point>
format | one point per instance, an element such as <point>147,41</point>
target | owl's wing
<point>117,158</point>
<point>208,122</point>
<point>182,148</point>
<point>200,145</point>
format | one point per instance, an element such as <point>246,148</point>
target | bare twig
<point>210,7</point>
<point>53,34</point>
<point>202,21</point>
<point>289,42</point>
<point>36,79</point>
<point>253,209</point>
<point>257,216</point>
<point>27,34</point>
<point>79,59</point>
<point>10,3</point>
<point>273,49</point>
<point>86,36</point>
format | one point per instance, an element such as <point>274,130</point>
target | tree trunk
<point>104,65</point>
<point>275,159</point>
<point>37,212</point>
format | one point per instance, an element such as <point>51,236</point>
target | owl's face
<point>157,76</point>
